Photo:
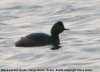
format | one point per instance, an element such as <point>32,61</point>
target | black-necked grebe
<point>41,39</point>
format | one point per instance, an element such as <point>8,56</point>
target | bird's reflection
<point>56,47</point>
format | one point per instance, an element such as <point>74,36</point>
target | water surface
<point>80,45</point>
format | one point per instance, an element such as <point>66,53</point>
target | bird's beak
<point>66,29</point>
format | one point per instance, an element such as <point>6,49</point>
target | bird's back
<point>35,39</point>
<point>40,38</point>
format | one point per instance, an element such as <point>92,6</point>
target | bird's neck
<point>55,39</point>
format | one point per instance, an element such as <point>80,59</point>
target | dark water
<point>80,46</point>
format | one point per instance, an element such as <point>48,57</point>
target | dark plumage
<point>41,39</point>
